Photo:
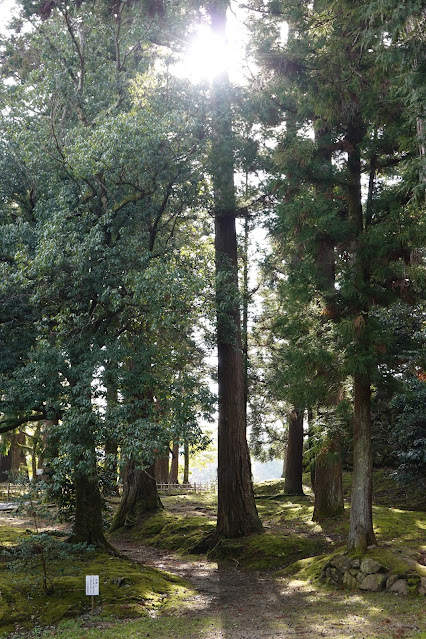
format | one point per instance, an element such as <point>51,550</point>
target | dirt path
<point>255,605</point>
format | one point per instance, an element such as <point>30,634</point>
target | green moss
<point>11,535</point>
<point>126,590</point>
<point>266,552</point>
<point>92,627</point>
<point>173,532</point>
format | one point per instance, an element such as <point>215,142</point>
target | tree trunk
<point>140,497</point>
<point>186,464</point>
<point>162,469</point>
<point>110,474</point>
<point>293,473</point>
<point>328,485</point>
<point>5,466</point>
<point>361,533</point>
<point>174,466</point>
<point>87,527</point>
<point>237,514</point>
<point>111,468</point>
<point>284,462</point>
<point>17,455</point>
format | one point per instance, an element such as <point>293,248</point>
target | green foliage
<point>409,432</point>
<point>98,223</point>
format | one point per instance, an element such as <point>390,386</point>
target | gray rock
<point>354,572</point>
<point>356,563</point>
<point>349,581</point>
<point>341,562</point>
<point>371,566</point>
<point>400,587</point>
<point>360,576</point>
<point>335,575</point>
<point>421,590</point>
<point>391,580</point>
<point>374,582</point>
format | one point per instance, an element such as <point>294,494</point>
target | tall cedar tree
<point>237,513</point>
<point>328,79</point>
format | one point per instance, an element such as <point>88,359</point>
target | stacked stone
<point>369,574</point>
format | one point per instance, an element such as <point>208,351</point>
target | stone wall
<point>369,574</point>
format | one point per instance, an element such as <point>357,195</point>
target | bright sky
<point>5,13</point>
<point>208,54</point>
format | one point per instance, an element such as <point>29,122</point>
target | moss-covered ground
<point>151,602</point>
<point>126,589</point>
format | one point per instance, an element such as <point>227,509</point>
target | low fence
<point>186,488</point>
<point>10,492</point>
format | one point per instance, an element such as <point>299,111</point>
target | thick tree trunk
<point>293,472</point>
<point>361,533</point>
<point>237,514</point>
<point>140,497</point>
<point>87,527</point>
<point>328,485</point>
<point>174,466</point>
<point>186,463</point>
<point>162,469</point>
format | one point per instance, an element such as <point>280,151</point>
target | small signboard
<point>92,585</point>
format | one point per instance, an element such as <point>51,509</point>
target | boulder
<point>400,587</point>
<point>374,582</point>
<point>391,580</point>
<point>342,562</point>
<point>371,566</point>
<point>356,563</point>
<point>360,576</point>
<point>349,581</point>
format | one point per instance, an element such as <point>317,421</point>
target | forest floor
<point>243,594</point>
<point>235,604</point>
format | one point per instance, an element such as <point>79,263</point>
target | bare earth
<point>255,605</point>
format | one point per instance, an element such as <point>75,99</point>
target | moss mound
<point>126,590</point>
<point>268,551</point>
<point>179,533</point>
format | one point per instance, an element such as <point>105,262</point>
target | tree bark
<point>17,455</point>
<point>361,534</point>
<point>111,467</point>
<point>87,527</point>
<point>186,463</point>
<point>293,473</point>
<point>174,466</point>
<point>5,466</point>
<point>237,514</point>
<point>140,497</point>
<point>328,485</point>
<point>162,469</point>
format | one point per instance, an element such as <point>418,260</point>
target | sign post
<point>92,588</point>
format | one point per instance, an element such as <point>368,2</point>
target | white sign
<point>92,585</point>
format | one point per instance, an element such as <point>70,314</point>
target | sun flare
<point>208,53</point>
